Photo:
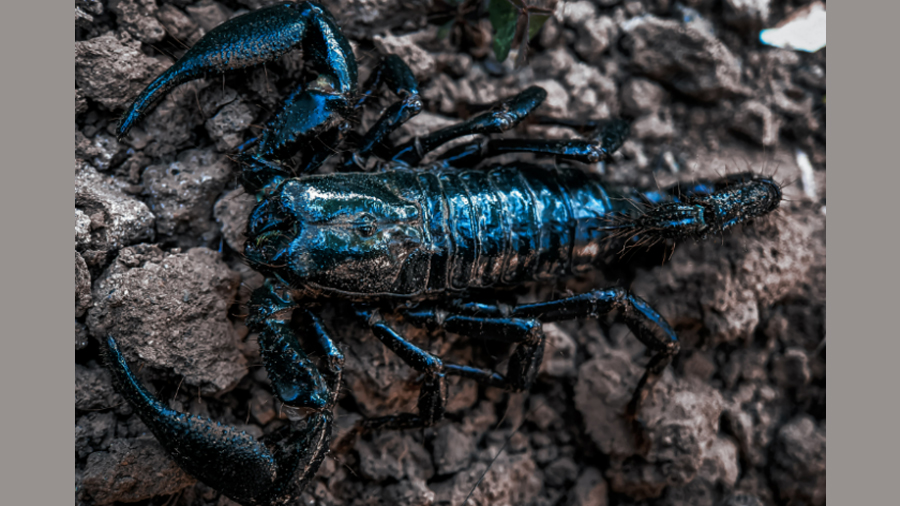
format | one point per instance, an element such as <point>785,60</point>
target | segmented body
<point>501,226</point>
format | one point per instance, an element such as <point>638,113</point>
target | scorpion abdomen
<point>510,225</point>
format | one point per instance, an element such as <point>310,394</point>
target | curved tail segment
<point>260,36</point>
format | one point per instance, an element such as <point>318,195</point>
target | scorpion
<point>408,239</point>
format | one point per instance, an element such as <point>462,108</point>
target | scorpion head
<point>343,233</point>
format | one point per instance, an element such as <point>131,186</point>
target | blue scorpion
<point>422,236</point>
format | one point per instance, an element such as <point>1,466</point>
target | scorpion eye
<point>365,225</point>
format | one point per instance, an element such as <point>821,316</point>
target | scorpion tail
<point>706,207</point>
<point>246,470</point>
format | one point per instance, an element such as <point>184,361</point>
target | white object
<point>803,31</point>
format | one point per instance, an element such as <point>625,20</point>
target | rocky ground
<point>739,419</point>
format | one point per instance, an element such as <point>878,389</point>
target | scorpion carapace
<point>410,234</point>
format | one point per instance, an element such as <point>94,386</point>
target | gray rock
<point>138,17</point>
<point>757,122</point>
<point>792,370</point>
<point>413,492</point>
<point>561,472</point>
<point>799,462</point>
<point>81,336</point>
<point>93,432</point>
<point>208,14</point>
<point>393,455</point>
<point>106,219</point>
<point>559,353</point>
<point>132,470</point>
<point>94,389</point>
<point>407,48</point>
<point>232,212</point>
<point>98,151</point>
<point>746,15</point>
<point>182,195</point>
<point>655,126</point>
<point>595,32</point>
<point>169,126</point>
<point>640,96</point>
<point>751,415</point>
<point>511,480</point>
<point>691,61</point>
<point>112,71</point>
<point>81,105</point>
<point>590,489</point>
<point>82,286</point>
<point>681,422</point>
<point>169,313</point>
<point>179,25</point>
<point>452,449</point>
<point>740,499</point>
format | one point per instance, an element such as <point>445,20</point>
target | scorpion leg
<point>643,321</point>
<point>397,76</point>
<point>433,392</point>
<point>526,333</point>
<point>607,138</point>
<point>506,115</point>
<point>523,366</point>
<point>254,38</point>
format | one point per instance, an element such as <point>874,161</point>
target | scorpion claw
<point>249,471</point>
<point>252,39</point>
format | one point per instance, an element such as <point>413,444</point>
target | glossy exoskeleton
<point>408,234</point>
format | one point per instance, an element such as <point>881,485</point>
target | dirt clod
<point>170,312</point>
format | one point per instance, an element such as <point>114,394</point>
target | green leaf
<point>444,30</point>
<point>535,22</point>
<point>503,16</point>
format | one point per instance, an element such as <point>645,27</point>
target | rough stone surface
<point>82,286</point>
<point>182,195</point>
<point>138,17</point>
<point>453,449</point>
<point>232,212</point>
<point>420,61</point>
<point>391,455</point>
<point>179,25</point>
<point>110,476</point>
<point>170,312</point>
<point>799,471</point>
<point>758,122</point>
<point>691,61</point>
<point>594,32</point>
<point>590,489</point>
<point>641,95</point>
<point>93,388</point>
<point>100,151</point>
<point>510,480</point>
<point>228,116</point>
<point>112,71</point>
<point>681,422</point>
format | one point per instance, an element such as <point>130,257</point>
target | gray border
<point>38,154</point>
<point>38,368</point>
<point>863,84</point>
